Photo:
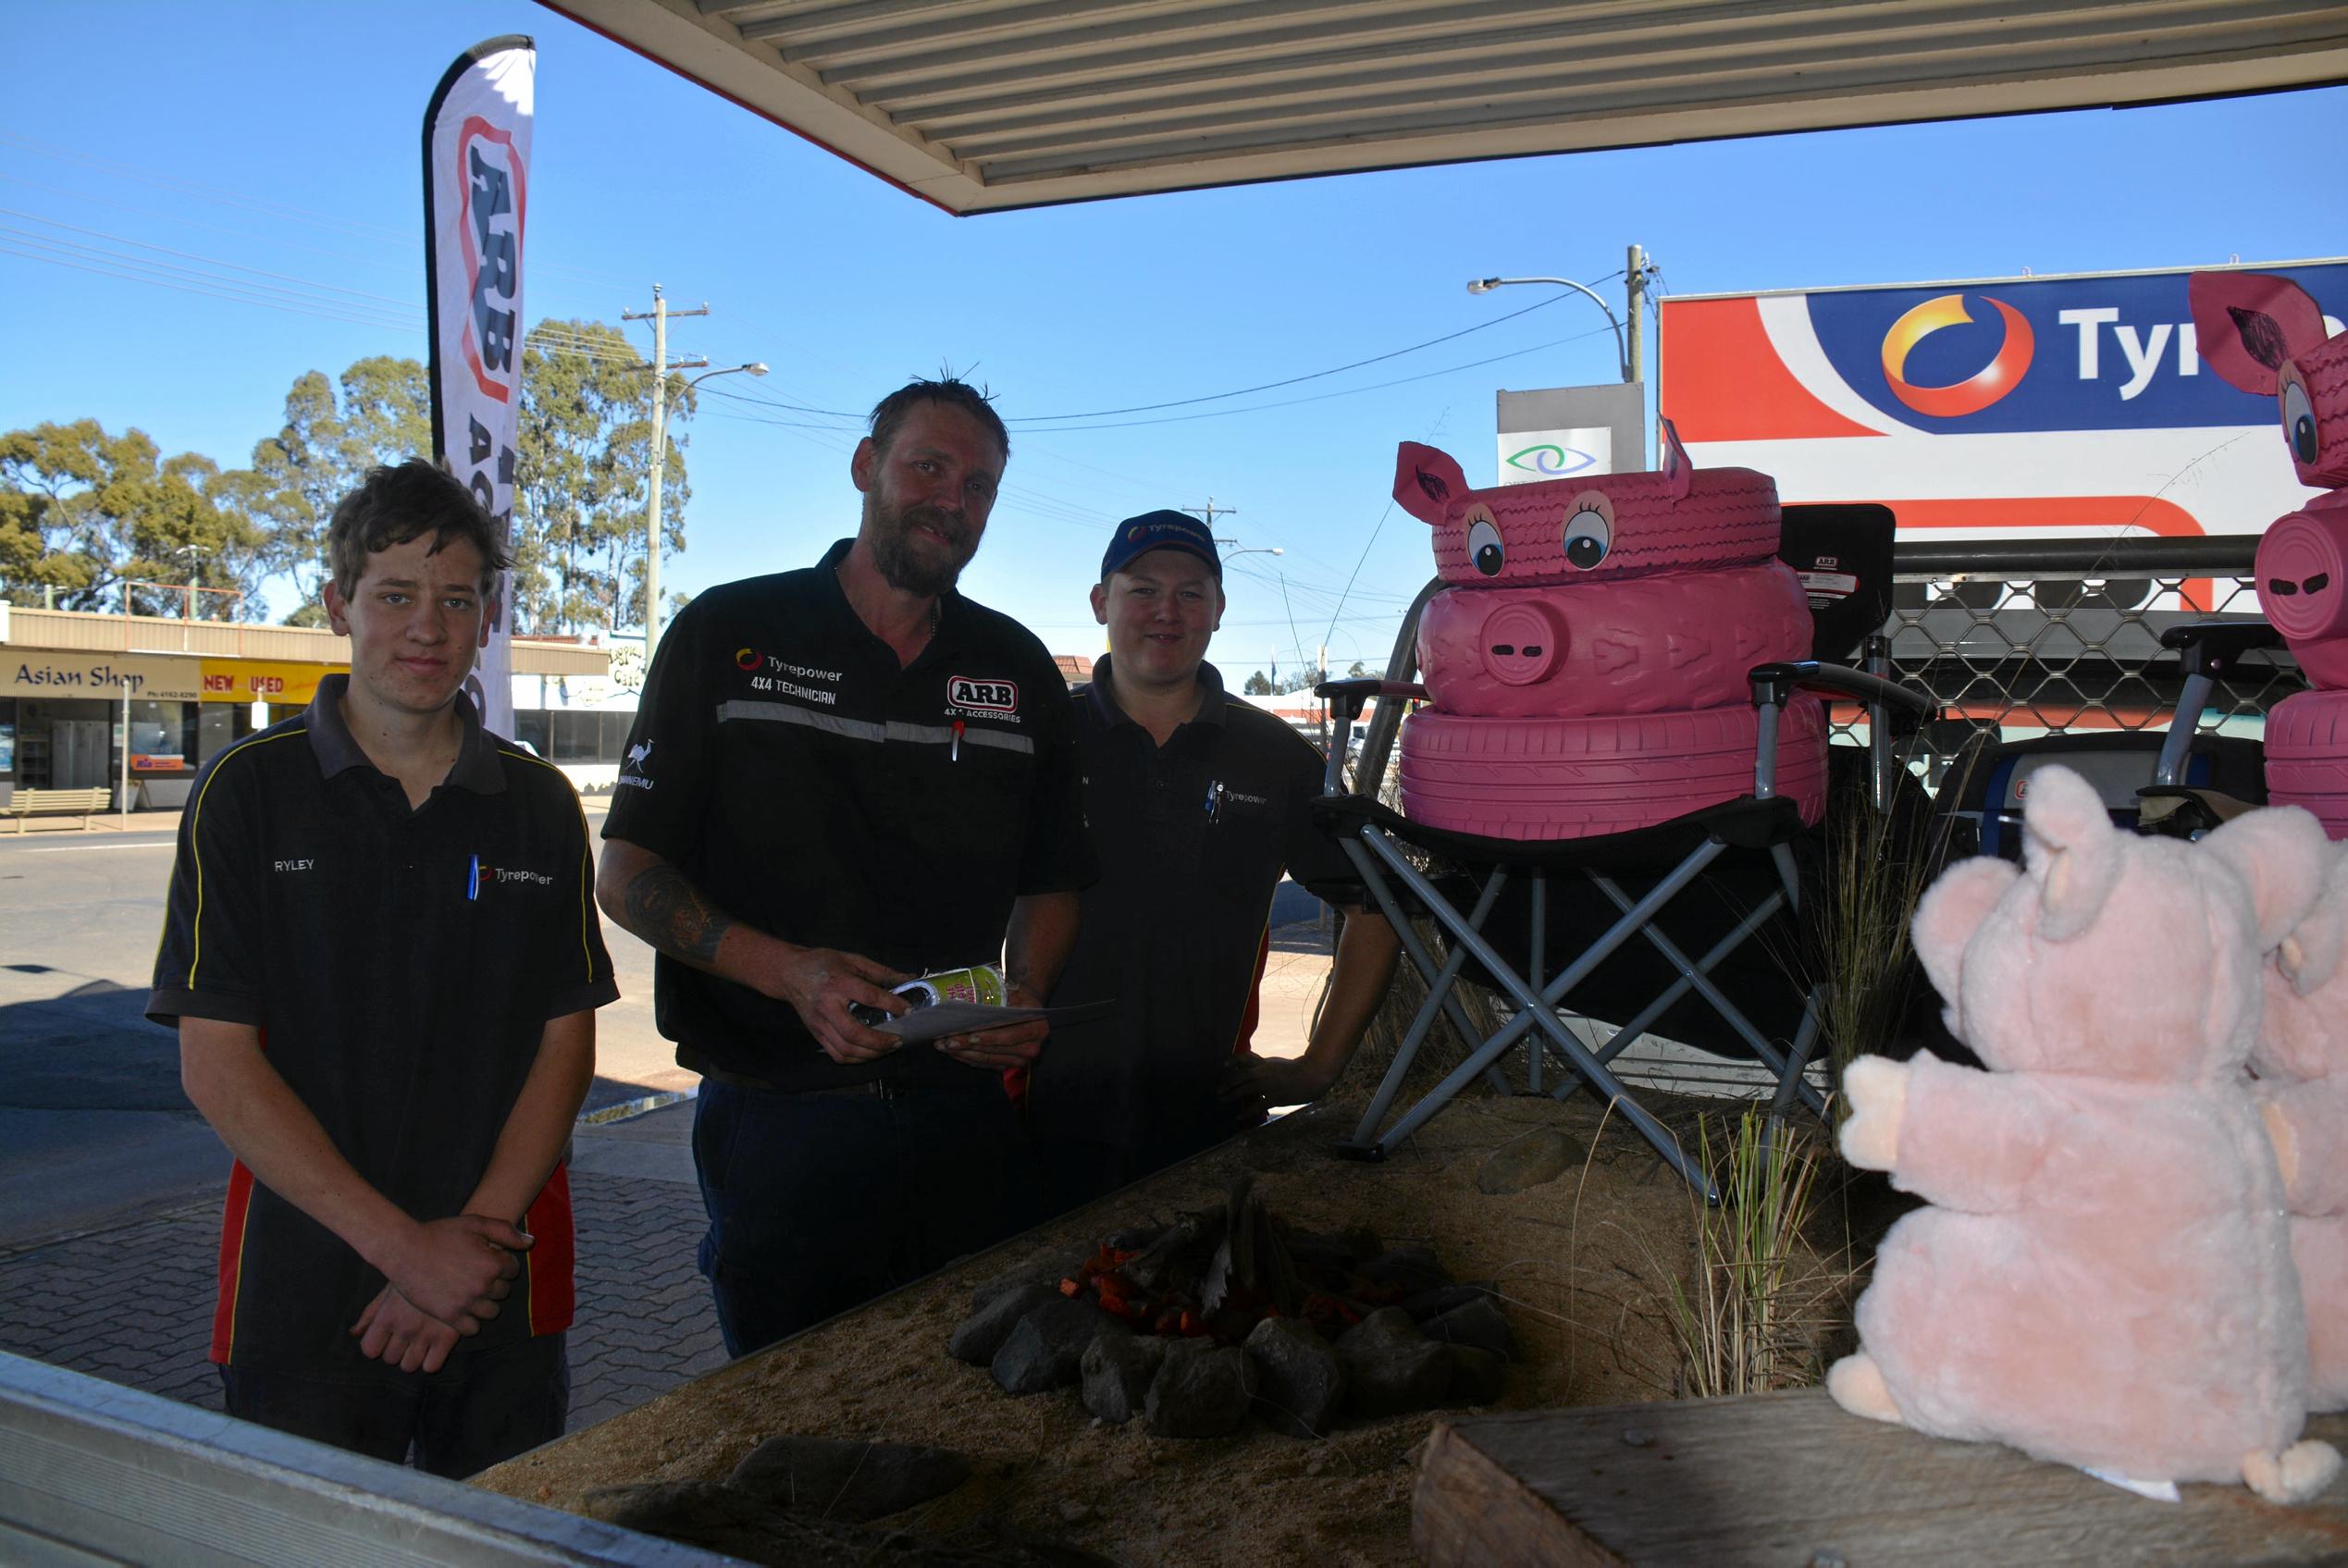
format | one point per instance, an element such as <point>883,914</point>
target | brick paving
<point>132,1303</point>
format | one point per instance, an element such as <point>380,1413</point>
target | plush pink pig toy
<point>2302,1060</point>
<point>2266,336</point>
<point>2104,1278</point>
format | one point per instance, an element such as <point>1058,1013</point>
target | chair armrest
<point>1775,683</point>
<point>1346,699</point>
<point>2210,647</point>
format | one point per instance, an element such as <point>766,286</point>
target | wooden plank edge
<point>1467,1511</point>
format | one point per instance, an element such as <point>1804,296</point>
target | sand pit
<point>1582,1263</point>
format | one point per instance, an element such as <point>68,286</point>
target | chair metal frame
<point>1374,839</point>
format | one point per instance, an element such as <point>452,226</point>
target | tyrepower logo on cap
<point>748,657</point>
<point>986,697</point>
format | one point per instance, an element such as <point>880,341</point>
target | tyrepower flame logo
<point>748,657</point>
<point>986,696</point>
<point>493,203</point>
<point>2000,376</point>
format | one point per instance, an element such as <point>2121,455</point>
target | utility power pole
<point>1634,278</point>
<point>1210,512</point>
<point>658,315</point>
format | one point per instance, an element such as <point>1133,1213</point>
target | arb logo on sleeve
<point>989,696</point>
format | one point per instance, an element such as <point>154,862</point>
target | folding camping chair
<point>1499,891</point>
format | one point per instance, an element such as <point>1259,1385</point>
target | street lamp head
<point>1482,285</point>
<point>756,368</point>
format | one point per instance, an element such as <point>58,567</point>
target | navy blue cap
<point>1137,536</point>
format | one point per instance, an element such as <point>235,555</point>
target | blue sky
<point>282,138</point>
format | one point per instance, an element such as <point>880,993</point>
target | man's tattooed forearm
<point>668,912</point>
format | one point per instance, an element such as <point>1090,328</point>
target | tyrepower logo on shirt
<point>479,877</point>
<point>983,696</point>
<point>769,674</point>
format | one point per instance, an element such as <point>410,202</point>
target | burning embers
<point>1196,1325</point>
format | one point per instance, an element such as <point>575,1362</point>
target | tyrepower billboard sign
<point>2070,406</point>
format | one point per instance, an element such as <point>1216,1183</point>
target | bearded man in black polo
<point>840,777</point>
<point>382,957</point>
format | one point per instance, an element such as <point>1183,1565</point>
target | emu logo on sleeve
<point>986,697</point>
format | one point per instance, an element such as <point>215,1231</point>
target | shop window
<point>163,736</point>
<point>567,734</point>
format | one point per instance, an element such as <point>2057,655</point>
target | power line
<point>190,255</point>
<point>1343,393</point>
<point>236,198</point>
<point>218,293</point>
<point>1292,380</point>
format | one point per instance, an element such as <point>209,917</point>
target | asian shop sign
<point>106,676</point>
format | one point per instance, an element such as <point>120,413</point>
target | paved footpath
<point>110,1188</point>
<point>132,1303</point>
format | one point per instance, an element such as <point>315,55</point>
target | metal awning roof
<point>984,105</point>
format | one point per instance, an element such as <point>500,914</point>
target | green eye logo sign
<point>1551,461</point>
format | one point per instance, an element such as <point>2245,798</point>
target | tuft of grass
<point>1760,1302</point>
<point>1878,865</point>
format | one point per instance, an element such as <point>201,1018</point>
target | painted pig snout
<point>1523,643</point>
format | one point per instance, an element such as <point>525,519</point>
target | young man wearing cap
<point>382,957</point>
<point>840,777</point>
<point>1197,802</point>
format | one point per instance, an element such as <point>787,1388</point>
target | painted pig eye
<point>2299,421</point>
<point>1589,530</point>
<point>1484,541</point>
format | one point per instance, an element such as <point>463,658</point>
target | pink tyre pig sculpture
<point>1586,663</point>
<point>2266,336</point>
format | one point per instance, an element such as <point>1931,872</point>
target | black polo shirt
<point>811,787</point>
<point>1193,837</point>
<point>401,966</point>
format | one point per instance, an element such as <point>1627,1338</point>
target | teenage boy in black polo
<point>1198,801</point>
<point>383,961</point>
<point>839,777</point>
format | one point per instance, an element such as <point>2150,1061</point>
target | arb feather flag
<point>476,158</point>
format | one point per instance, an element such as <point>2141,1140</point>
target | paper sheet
<point>943,1019</point>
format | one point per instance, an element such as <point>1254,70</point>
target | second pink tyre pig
<point>2307,757</point>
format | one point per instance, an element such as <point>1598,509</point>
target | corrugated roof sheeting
<point>980,105</point>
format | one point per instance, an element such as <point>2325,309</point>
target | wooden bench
<point>82,803</point>
<point>1791,1479</point>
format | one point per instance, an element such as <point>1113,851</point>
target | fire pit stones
<point>1241,1307</point>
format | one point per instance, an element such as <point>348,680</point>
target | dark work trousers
<point>819,1202</point>
<point>480,1409</point>
<point>1075,1170</point>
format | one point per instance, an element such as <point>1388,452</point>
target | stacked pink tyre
<point>1668,641</point>
<point>1557,778</point>
<point>2307,757</point>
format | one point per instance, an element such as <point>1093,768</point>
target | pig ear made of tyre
<point>1527,778</point>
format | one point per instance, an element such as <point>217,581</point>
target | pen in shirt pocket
<point>1215,800</point>
<point>473,881</point>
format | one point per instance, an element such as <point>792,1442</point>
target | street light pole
<point>652,523</point>
<point>660,314</point>
<point>1622,350</point>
